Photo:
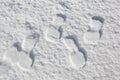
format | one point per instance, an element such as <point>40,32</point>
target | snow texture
<point>59,40</point>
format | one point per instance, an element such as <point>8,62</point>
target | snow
<point>59,40</point>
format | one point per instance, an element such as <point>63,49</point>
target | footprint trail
<point>29,43</point>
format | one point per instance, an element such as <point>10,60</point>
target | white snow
<point>59,39</point>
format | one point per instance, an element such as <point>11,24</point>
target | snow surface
<point>59,39</point>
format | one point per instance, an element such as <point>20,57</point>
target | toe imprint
<point>53,35</point>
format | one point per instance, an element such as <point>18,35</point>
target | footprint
<point>53,34</point>
<point>94,34</point>
<point>28,46</point>
<point>78,58</point>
